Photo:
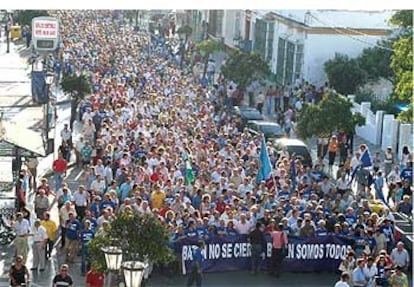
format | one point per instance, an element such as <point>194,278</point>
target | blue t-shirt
<point>321,232</point>
<point>191,232</point>
<point>197,258</point>
<point>72,229</point>
<point>85,236</point>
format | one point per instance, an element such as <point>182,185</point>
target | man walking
<point>51,229</point>
<point>196,270</point>
<point>21,228</point>
<point>39,245</point>
<point>257,240</point>
<point>60,166</point>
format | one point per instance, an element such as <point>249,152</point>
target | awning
<point>14,134</point>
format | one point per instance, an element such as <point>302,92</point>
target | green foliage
<point>407,116</point>
<point>403,18</point>
<point>207,48</point>
<point>331,114</point>
<point>25,16</point>
<point>185,30</point>
<point>345,74</point>
<point>139,235</point>
<point>243,68</point>
<point>376,61</point>
<point>402,64</point>
<point>76,86</point>
<point>388,105</point>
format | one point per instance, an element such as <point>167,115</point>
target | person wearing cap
<point>39,244</point>
<point>398,278</point>
<point>19,274</point>
<point>85,236</point>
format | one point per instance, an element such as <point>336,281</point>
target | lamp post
<point>133,273</point>
<point>49,81</point>
<point>113,259</point>
<point>7,30</point>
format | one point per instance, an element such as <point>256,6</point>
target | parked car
<point>247,114</point>
<point>271,130</point>
<point>295,147</point>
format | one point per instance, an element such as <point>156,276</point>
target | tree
<point>24,17</point>
<point>207,48</point>
<point>402,57</point>
<point>140,236</point>
<point>345,74</point>
<point>77,87</point>
<point>243,68</point>
<point>376,61</point>
<point>331,114</point>
<point>185,30</point>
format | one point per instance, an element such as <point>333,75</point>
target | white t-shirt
<point>341,284</point>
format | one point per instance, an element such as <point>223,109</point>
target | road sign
<point>45,33</point>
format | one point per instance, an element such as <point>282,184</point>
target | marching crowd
<point>154,140</point>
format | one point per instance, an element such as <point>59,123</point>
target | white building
<point>297,43</point>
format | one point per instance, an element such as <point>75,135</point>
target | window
<point>290,56</point>
<point>270,42</point>
<point>260,37</point>
<point>298,60</point>
<point>280,65</point>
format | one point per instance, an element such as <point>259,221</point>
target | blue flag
<point>366,159</point>
<point>265,168</point>
<point>293,174</point>
<point>380,195</point>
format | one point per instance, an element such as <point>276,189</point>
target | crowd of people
<point>156,141</point>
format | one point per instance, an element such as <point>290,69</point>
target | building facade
<point>297,43</point>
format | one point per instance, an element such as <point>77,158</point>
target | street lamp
<point>113,259</point>
<point>49,81</point>
<point>133,273</point>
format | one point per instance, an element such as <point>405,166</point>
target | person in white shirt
<point>78,147</point>
<point>21,228</point>
<point>39,245</point>
<point>100,168</point>
<point>81,198</point>
<point>370,270</point>
<point>66,135</point>
<point>356,160</point>
<point>343,282</point>
<point>98,185</point>
<point>243,226</point>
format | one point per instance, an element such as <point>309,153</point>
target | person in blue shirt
<point>107,202</point>
<point>358,275</point>
<point>201,229</point>
<point>191,231</point>
<point>230,230</point>
<point>196,268</point>
<point>94,207</point>
<point>85,236</point>
<point>321,229</point>
<point>73,227</point>
<point>407,173</point>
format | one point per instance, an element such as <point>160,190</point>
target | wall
<point>383,129</point>
<point>320,48</point>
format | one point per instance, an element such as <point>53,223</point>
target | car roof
<point>290,142</point>
<point>263,123</point>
